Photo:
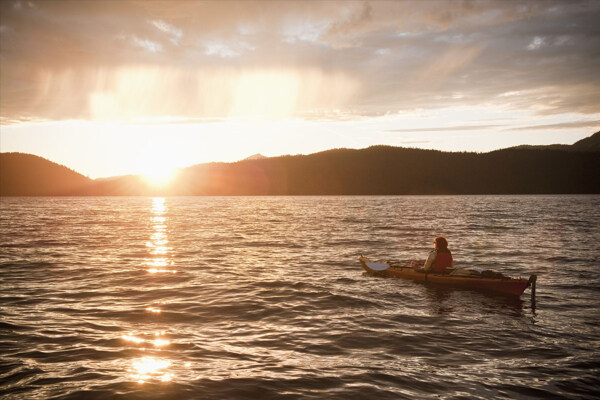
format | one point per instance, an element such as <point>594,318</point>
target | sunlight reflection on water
<point>158,250</point>
<point>148,367</point>
<point>131,338</point>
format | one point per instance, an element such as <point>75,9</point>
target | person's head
<point>441,243</point>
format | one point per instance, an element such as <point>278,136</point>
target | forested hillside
<point>377,170</point>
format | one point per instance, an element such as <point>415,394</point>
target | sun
<point>159,174</point>
<point>157,165</point>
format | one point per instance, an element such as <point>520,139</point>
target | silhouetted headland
<point>29,175</point>
<point>377,170</point>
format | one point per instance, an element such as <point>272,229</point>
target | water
<point>247,297</point>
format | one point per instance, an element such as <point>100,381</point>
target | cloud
<point>146,44</point>
<point>140,92</point>
<point>56,57</point>
<point>446,128</point>
<point>563,125</point>
<point>221,50</point>
<point>449,62</point>
<point>303,31</point>
<point>176,34</point>
<point>536,43</point>
<point>226,50</point>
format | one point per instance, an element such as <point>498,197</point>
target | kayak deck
<point>508,286</point>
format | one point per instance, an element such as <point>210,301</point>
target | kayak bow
<point>504,285</point>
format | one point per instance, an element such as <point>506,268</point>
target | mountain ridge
<point>590,143</point>
<point>23,174</point>
<point>375,170</point>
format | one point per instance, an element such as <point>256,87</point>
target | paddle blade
<point>377,266</point>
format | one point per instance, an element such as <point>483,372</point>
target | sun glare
<point>157,163</point>
<point>159,175</point>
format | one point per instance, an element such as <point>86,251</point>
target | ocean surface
<point>264,297</point>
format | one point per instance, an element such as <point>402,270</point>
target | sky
<point>118,87</point>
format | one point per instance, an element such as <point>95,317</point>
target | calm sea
<point>263,297</point>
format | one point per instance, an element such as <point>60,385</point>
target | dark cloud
<point>59,58</point>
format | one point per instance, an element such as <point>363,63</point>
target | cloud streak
<point>563,125</point>
<point>446,129</point>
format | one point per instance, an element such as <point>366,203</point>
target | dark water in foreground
<point>176,298</point>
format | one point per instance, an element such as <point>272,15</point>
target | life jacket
<point>442,261</point>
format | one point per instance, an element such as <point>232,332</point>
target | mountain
<point>591,143</point>
<point>377,170</point>
<point>565,147</point>
<point>257,156</point>
<point>386,170</point>
<point>28,175</point>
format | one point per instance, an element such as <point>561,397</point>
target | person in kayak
<point>439,258</point>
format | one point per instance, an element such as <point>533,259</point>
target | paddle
<point>377,266</point>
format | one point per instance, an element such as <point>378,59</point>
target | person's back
<point>440,258</point>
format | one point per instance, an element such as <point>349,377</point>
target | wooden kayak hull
<point>507,286</point>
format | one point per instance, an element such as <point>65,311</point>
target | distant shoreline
<point>373,171</point>
<point>305,195</point>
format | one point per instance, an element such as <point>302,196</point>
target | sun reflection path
<point>158,245</point>
<point>152,365</point>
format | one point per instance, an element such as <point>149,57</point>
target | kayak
<point>503,285</point>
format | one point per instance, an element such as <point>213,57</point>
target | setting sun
<point>159,175</point>
<point>157,163</point>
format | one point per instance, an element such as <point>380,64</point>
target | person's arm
<point>429,263</point>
